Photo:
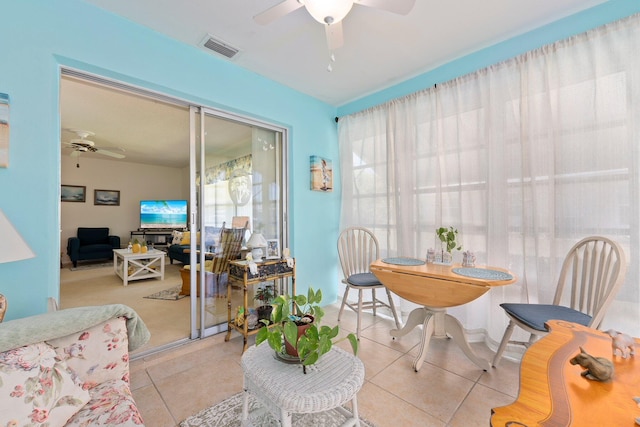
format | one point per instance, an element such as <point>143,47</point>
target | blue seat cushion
<point>363,279</point>
<point>536,315</point>
<point>87,249</point>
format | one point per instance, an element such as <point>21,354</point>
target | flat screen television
<point>163,214</point>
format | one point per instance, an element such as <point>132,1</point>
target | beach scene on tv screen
<point>163,214</point>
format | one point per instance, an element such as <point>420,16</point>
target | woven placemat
<point>403,261</point>
<point>482,273</point>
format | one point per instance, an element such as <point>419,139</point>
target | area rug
<point>228,413</point>
<point>91,266</point>
<point>171,294</point>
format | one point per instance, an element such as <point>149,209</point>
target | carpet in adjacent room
<point>90,265</point>
<point>228,413</point>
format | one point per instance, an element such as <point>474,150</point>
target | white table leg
<point>125,272</point>
<point>285,418</point>
<point>454,328</point>
<point>428,326</point>
<point>354,410</point>
<point>435,322</point>
<point>416,317</point>
<point>245,409</point>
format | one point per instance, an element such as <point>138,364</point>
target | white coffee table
<point>284,390</point>
<point>143,265</point>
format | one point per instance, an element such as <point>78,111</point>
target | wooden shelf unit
<point>268,270</point>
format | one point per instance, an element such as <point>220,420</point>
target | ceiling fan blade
<point>334,35</point>
<point>401,7</point>
<point>277,11</point>
<point>109,153</point>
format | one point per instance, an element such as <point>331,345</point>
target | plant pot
<point>264,313</point>
<point>302,328</point>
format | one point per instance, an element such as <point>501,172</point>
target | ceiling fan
<point>331,13</point>
<point>83,145</point>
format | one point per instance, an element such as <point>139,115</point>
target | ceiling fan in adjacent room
<point>83,145</point>
<point>331,13</point>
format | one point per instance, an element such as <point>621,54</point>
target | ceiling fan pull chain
<point>332,57</point>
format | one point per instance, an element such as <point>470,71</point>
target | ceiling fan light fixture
<point>328,11</point>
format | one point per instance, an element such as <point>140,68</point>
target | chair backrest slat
<point>591,275</point>
<point>357,249</point>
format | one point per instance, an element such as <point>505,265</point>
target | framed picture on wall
<point>106,197</point>
<point>321,174</point>
<point>273,249</point>
<point>73,193</point>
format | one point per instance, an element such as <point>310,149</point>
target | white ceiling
<point>380,49</point>
<point>143,130</point>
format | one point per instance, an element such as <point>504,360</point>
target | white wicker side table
<point>284,390</point>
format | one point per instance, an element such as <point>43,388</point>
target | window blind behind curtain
<point>524,158</point>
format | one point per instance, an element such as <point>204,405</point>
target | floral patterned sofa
<point>70,368</point>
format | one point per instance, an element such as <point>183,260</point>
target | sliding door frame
<point>196,201</point>
<point>196,221</point>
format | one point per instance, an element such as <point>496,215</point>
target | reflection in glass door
<point>237,181</point>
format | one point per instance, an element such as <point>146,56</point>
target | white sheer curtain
<point>524,158</point>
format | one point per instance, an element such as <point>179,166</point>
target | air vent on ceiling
<point>218,46</point>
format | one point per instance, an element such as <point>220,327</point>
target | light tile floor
<point>449,390</point>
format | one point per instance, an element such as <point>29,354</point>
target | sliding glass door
<point>237,180</point>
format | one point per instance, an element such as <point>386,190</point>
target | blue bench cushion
<point>536,315</point>
<point>363,279</point>
<point>87,249</point>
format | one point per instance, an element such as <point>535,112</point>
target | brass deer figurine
<point>596,368</point>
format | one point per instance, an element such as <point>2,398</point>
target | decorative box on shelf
<point>268,270</point>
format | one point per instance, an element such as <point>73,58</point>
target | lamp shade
<point>257,240</point>
<point>13,247</point>
<point>328,11</point>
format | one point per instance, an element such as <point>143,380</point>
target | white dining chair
<point>357,249</point>
<point>591,275</point>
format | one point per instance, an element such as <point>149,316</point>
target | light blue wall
<point>39,36</point>
<point>564,28</point>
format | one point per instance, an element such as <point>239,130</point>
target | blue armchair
<point>92,243</point>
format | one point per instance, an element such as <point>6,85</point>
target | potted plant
<point>295,329</point>
<point>448,238</point>
<point>265,294</point>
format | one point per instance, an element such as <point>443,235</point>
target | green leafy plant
<point>448,236</point>
<point>265,294</point>
<point>292,311</point>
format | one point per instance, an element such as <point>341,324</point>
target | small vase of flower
<point>448,243</point>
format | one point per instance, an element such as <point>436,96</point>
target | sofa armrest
<point>114,241</point>
<point>73,245</point>
<point>97,354</point>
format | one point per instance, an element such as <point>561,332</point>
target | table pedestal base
<point>436,322</point>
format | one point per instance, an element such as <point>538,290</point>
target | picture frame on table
<point>273,249</point>
<point>73,193</point>
<point>106,197</point>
